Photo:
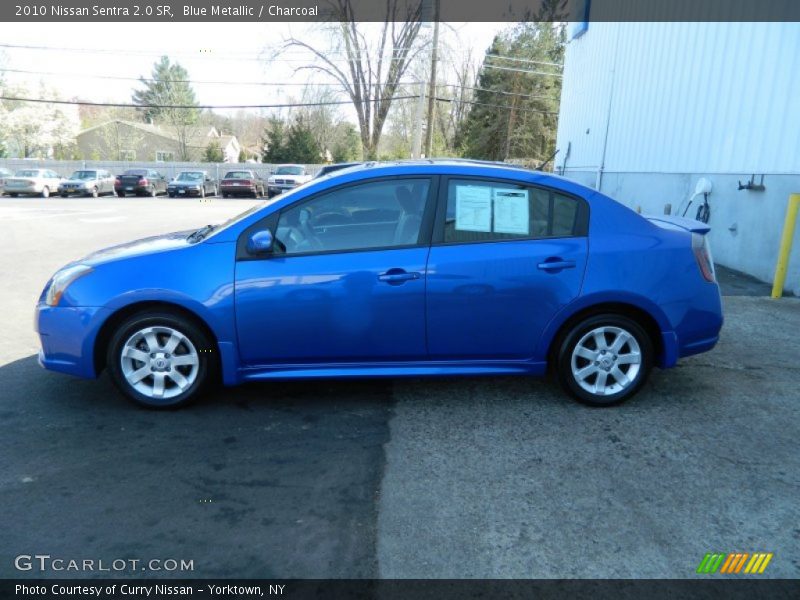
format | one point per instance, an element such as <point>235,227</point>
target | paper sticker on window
<point>511,211</point>
<point>473,208</point>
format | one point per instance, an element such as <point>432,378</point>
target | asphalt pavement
<point>476,477</point>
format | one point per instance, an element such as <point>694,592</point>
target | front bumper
<point>279,189</point>
<point>68,336</point>
<point>26,189</point>
<point>182,191</point>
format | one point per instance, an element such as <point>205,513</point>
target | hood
<point>150,245</point>
<point>185,183</point>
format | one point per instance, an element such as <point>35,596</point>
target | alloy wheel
<point>606,360</point>
<point>159,362</point>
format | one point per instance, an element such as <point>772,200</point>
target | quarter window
<point>486,211</point>
<point>381,214</point>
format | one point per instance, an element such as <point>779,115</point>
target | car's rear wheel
<point>604,360</point>
<point>160,360</point>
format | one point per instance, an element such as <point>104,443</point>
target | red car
<point>242,183</point>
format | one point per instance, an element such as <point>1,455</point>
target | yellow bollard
<point>786,245</point>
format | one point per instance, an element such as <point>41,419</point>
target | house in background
<point>132,141</point>
<point>648,109</point>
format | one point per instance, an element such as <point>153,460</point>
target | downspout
<point>599,181</point>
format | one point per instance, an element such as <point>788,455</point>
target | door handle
<point>556,264</point>
<point>397,276</point>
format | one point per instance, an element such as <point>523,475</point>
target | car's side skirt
<point>407,369</point>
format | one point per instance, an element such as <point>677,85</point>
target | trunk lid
<point>682,223</point>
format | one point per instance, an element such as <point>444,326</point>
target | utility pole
<point>432,83</point>
<point>416,143</point>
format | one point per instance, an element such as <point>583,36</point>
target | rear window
<point>27,173</point>
<point>239,175</point>
<point>487,211</point>
<point>142,172</point>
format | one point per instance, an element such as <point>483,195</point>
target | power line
<point>524,60</point>
<point>188,106</point>
<point>243,106</point>
<point>193,81</point>
<point>479,89</point>
<point>488,66</point>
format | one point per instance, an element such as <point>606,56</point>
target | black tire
<point>12,195</point>
<point>171,195</point>
<point>120,194</point>
<point>63,195</point>
<point>570,340</point>
<point>95,193</point>
<point>224,195</point>
<point>207,364</point>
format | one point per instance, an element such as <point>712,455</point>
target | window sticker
<point>511,211</point>
<point>473,208</point>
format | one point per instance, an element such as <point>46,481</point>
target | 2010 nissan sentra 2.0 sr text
<point>388,270</point>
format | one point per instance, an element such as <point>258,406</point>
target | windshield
<point>190,176</point>
<point>84,175</point>
<point>289,171</point>
<point>136,172</point>
<point>239,175</point>
<point>27,173</point>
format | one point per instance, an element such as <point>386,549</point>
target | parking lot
<point>483,478</point>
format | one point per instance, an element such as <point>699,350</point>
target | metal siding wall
<point>687,98</point>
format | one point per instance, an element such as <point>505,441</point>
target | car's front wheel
<point>160,360</point>
<point>604,360</point>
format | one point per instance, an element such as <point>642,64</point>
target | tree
<point>301,147</point>
<point>346,146</point>
<point>39,129</point>
<point>374,67</point>
<point>515,109</point>
<point>274,141</point>
<point>168,98</point>
<point>213,153</point>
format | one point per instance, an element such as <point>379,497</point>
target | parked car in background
<point>140,182</point>
<point>192,183</point>
<point>4,173</point>
<point>408,269</point>
<point>32,182</point>
<point>87,183</point>
<point>328,169</point>
<point>241,183</point>
<point>285,178</point>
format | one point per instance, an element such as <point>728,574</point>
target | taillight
<point>246,182</point>
<point>702,254</point>
<point>143,181</point>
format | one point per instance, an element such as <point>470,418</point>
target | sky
<point>237,52</point>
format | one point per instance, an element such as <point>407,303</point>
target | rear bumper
<point>67,336</point>
<point>237,190</point>
<point>28,189</point>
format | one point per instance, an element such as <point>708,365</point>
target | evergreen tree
<point>516,107</point>
<point>213,153</point>
<point>301,146</point>
<point>346,146</point>
<point>275,141</point>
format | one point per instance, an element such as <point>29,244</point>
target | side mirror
<point>260,242</point>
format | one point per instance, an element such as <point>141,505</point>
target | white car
<point>285,178</point>
<point>33,182</point>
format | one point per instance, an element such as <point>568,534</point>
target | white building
<point>647,109</point>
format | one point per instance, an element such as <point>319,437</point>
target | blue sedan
<point>388,270</point>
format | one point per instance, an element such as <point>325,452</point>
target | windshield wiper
<point>198,235</point>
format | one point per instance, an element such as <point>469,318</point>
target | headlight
<point>62,280</point>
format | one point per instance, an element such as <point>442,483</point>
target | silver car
<point>4,174</point>
<point>92,182</point>
<point>32,182</point>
